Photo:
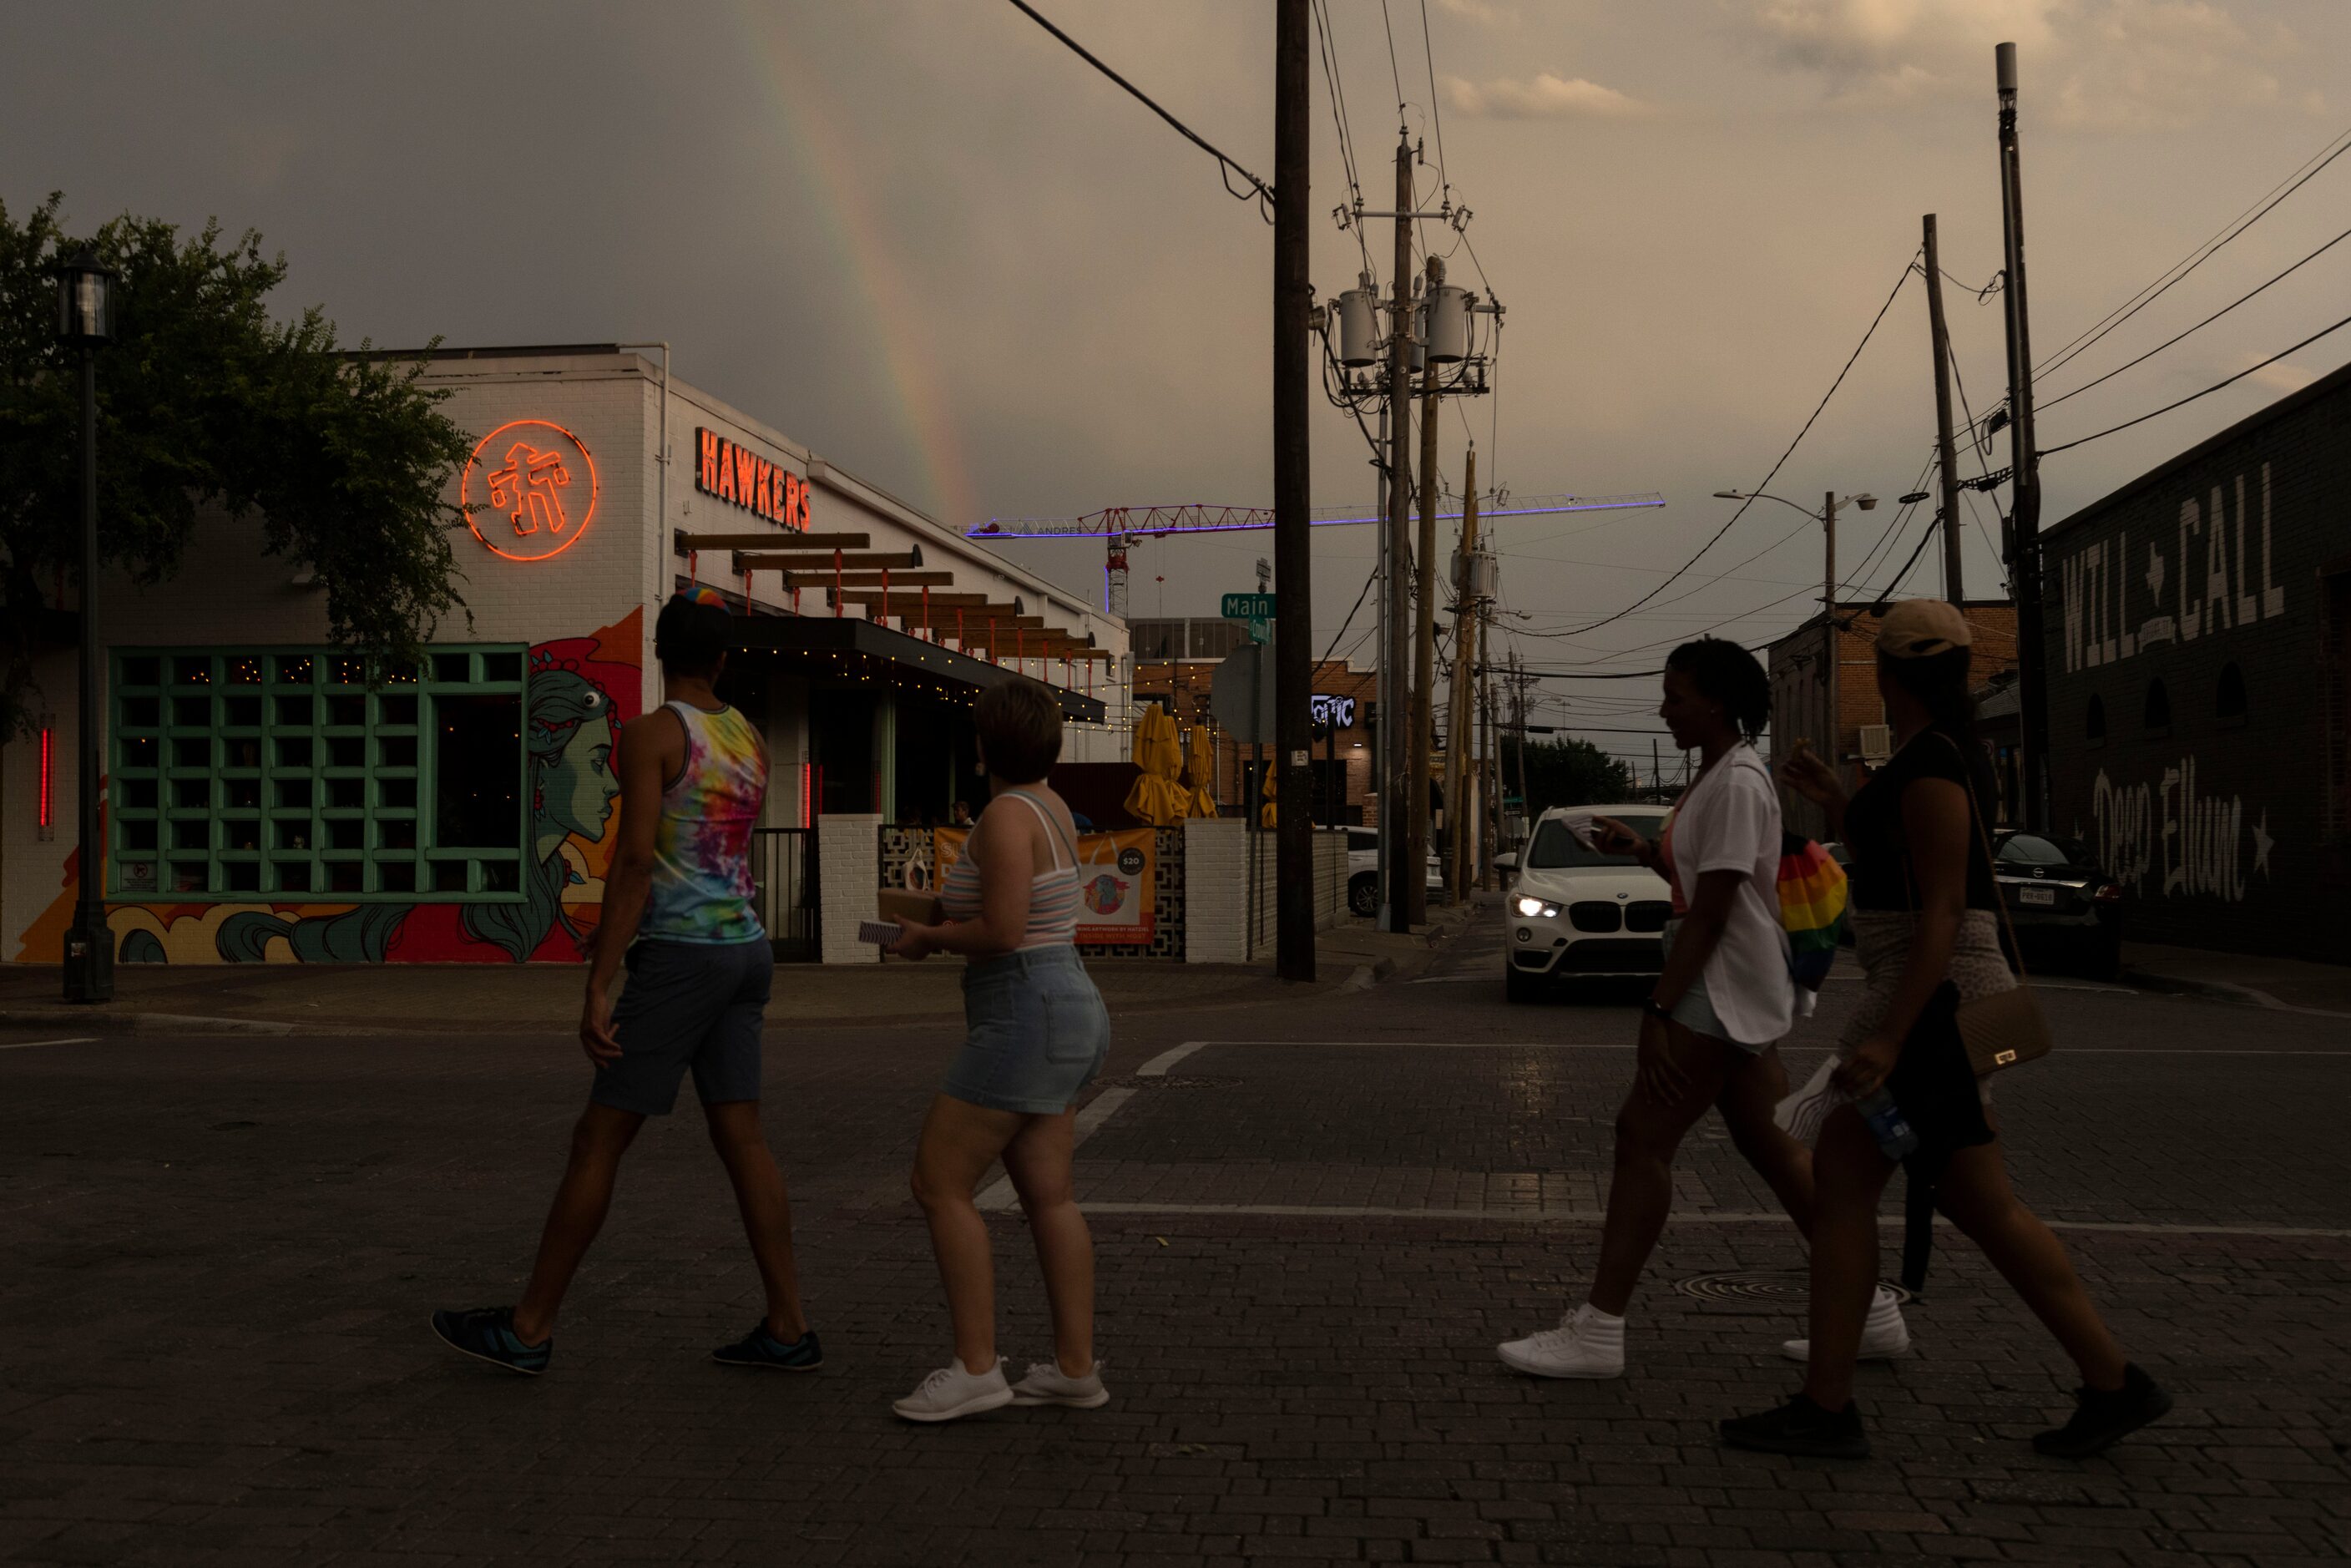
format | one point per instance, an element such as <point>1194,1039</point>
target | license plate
<point>2036,895</point>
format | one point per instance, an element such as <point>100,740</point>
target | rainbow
<point>866,263</point>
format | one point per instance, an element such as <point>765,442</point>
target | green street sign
<point>1257,609</point>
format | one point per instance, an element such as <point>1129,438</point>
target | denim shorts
<point>687,1006</point>
<point>1037,1033</point>
<point>1695,1012</point>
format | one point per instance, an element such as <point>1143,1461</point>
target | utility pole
<point>1399,873</point>
<point>1293,550</point>
<point>1465,605</point>
<point>1954,589</point>
<point>1424,647</point>
<point>2024,460</point>
<point>1519,716</point>
<point>1489,767</point>
<point>1829,638</point>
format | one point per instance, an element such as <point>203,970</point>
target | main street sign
<point>1257,609</point>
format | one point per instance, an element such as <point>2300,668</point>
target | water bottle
<point>1896,1139</point>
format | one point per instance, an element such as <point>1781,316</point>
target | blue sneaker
<point>487,1334</point>
<point>760,1348</point>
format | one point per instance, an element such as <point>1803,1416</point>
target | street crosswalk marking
<point>29,1044</point>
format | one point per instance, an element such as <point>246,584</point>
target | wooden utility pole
<point>1457,723</point>
<point>1423,633</point>
<point>1954,589</point>
<point>1518,719</point>
<point>2024,461</point>
<point>1293,547</point>
<point>1489,775</point>
<point>1829,650</point>
<point>1397,874</point>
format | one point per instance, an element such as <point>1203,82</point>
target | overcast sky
<point>928,241</point>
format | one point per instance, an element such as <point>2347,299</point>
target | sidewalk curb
<point>2218,991</point>
<point>100,1021</point>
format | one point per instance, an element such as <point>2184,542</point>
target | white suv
<point>1364,871</point>
<point>1575,912</point>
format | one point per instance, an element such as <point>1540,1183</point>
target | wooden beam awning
<point>819,642</point>
<point>686,543</point>
<point>813,563</point>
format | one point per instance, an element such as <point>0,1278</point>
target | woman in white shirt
<point>1710,1027</point>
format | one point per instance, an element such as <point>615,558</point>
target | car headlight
<point>1535,908</point>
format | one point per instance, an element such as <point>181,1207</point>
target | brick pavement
<point>220,1253</point>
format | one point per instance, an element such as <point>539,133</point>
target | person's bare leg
<point>1976,1194</point>
<point>1038,1161</point>
<point>1641,1190</point>
<point>599,1139</point>
<point>1751,1093</point>
<point>1849,1176</point>
<point>960,1141</point>
<point>767,1208</point>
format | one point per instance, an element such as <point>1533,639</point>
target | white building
<point>267,802</point>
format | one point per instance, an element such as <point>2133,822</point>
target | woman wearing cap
<point>1925,923</point>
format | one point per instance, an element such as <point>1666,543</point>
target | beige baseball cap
<point>1922,628</point>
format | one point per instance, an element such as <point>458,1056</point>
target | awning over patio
<point>850,648</point>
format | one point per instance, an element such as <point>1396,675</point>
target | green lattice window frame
<point>278,774</point>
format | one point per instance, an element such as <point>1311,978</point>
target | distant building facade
<point>1345,737</point>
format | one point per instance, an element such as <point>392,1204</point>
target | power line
<point>2118,369</point>
<point>1907,269</point>
<point>2340,143</point>
<point>2191,397</point>
<point>1394,73</point>
<point>1226,167</point>
<point>1436,114</point>
<point>1325,36</point>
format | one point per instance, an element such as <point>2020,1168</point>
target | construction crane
<point>1121,528</point>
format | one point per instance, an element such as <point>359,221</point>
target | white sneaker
<point>951,1392</point>
<point>1047,1384</point>
<point>1588,1343</point>
<point>1884,1335</point>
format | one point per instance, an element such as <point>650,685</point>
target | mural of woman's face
<point>580,788</point>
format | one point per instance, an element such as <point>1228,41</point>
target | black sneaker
<point>488,1333</point>
<point>2102,1420</point>
<point>1801,1426</point>
<point>760,1348</point>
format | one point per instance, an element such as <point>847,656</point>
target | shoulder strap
<point>1991,864</point>
<point>1047,818</point>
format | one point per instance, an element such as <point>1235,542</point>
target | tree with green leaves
<point>207,405</point>
<point>1573,773</point>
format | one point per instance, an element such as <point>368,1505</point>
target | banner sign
<point>1116,875</point>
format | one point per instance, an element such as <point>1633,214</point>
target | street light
<point>86,320</point>
<point>1827,517</point>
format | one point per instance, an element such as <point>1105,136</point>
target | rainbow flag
<point>1811,908</point>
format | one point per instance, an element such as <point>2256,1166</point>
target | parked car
<point>1364,871</point>
<point>2067,910</point>
<point>1576,913</point>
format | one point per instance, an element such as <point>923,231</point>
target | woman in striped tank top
<point>1036,1035</point>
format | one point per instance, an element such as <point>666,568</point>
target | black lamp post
<point>85,320</point>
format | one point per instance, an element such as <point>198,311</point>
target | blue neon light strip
<point>982,532</point>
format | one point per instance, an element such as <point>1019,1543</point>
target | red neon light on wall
<point>808,773</point>
<point>522,481</point>
<point>48,764</point>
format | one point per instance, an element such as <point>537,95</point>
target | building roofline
<point>2324,386</point>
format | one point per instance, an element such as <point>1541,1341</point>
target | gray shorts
<point>1695,1012</point>
<point>687,1005</point>
<point>1037,1033</point>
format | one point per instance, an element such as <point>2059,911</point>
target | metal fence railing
<point>784,872</point>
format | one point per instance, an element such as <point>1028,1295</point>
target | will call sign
<point>736,473</point>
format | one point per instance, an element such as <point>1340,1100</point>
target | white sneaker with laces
<point>1047,1384</point>
<point>951,1392</point>
<point>1588,1343</point>
<point>1884,1335</point>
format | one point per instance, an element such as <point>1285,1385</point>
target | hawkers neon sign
<point>529,490</point>
<point>733,473</point>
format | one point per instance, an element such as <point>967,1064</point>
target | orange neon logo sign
<point>529,490</point>
<point>733,473</point>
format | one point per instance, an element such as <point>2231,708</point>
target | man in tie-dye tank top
<point>677,912</point>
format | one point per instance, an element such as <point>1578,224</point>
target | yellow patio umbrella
<point>1157,797</point>
<point>1200,768</point>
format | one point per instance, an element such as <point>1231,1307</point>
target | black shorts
<point>687,1006</point>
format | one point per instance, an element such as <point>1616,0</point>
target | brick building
<point>2200,684</point>
<point>1345,749</point>
<point>271,797</point>
<point>1800,694</point>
